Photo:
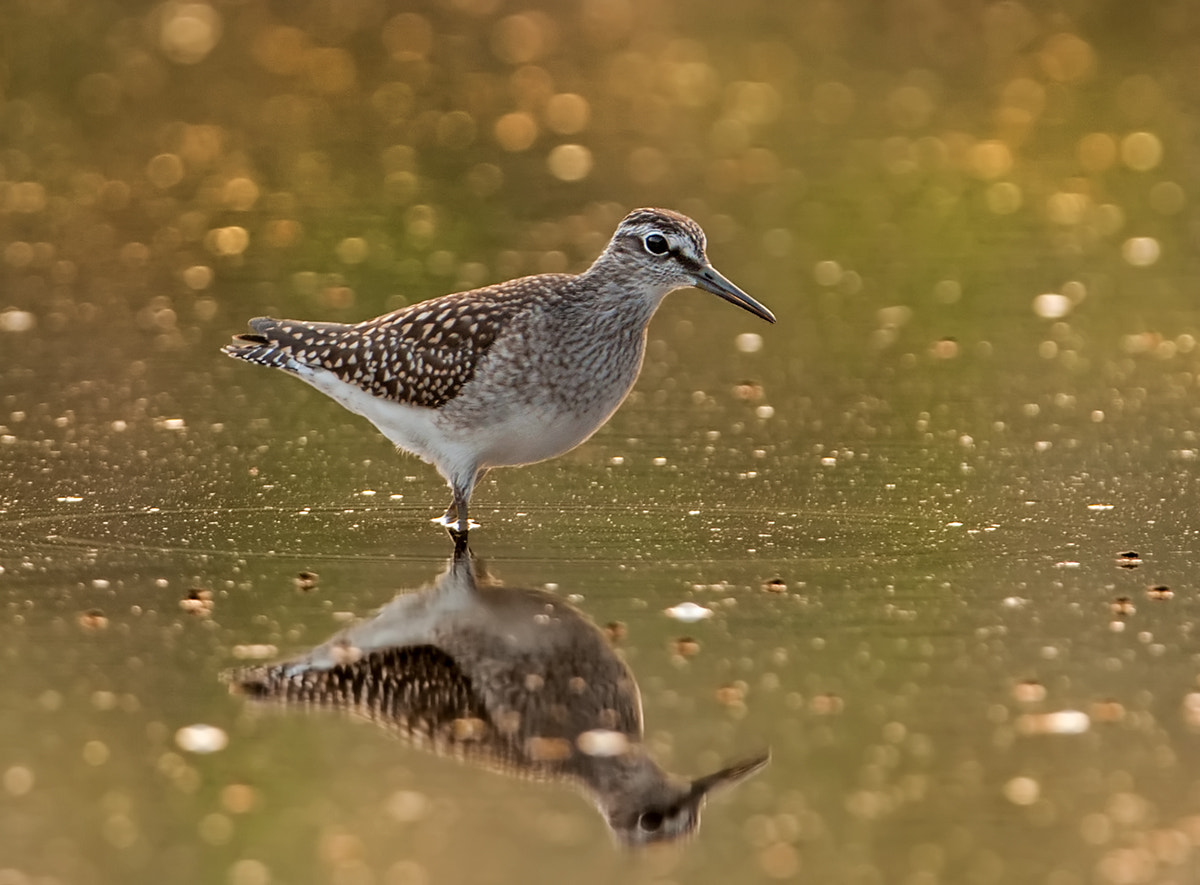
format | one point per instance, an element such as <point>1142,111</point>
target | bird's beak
<point>708,279</point>
<point>729,777</point>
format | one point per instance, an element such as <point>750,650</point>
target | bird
<point>508,374</point>
<point>508,679</point>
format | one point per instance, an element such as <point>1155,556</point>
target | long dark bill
<point>710,280</point>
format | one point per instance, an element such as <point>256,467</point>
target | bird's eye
<point>656,244</point>
<point>650,821</point>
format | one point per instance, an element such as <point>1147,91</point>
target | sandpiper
<point>509,374</point>
<point>510,679</point>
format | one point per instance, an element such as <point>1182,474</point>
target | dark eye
<point>656,244</point>
<point>650,821</point>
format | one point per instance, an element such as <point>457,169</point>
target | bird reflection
<point>510,679</point>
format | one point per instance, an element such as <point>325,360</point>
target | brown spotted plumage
<point>508,374</point>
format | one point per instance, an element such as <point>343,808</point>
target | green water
<point>940,468</point>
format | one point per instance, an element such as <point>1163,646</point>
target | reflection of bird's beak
<point>708,279</point>
<point>731,776</point>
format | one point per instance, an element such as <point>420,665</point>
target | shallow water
<point>906,505</point>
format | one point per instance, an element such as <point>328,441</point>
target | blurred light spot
<point>778,242</point>
<point>1067,58</point>
<point>567,113</point>
<point>255,651</point>
<point>779,861</point>
<point>728,136</point>
<point>1022,791</point>
<point>197,277</point>
<point>330,70</point>
<point>352,250</point>
<point>694,83</point>
<point>1097,151</point>
<point>894,316</point>
<point>754,104</point>
<point>18,254</point>
<point>282,233</point>
<point>520,39</point>
<point>18,780</point>
<point>1003,198</point>
<point>393,101</point>
<point>215,829</point>
<point>764,412</point>
<point>827,273</point>
<point>13,320</point>
<point>165,171</point>
<point>516,131</point>
<point>647,165</point>
<point>248,872</point>
<point>408,36</point>
<point>989,159</point>
<point>748,342</point>
<point>201,738</point>
<point>1066,208</point>
<point>240,194</point>
<point>1140,251</point>
<point>188,31</point>
<point>227,240</point>
<point>1052,305</point>
<point>280,49</point>
<point>944,349</point>
<point>407,806</point>
<point>485,179</point>
<point>602,742</point>
<point>95,753</point>
<point>1167,198</point>
<point>1074,290</point>
<point>400,187</point>
<point>456,130</point>
<point>570,162</point>
<point>1141,151</point>
<point>25,196</point>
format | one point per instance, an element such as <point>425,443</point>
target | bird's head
<point>666,251</point>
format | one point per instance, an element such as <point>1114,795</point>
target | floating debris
<point>201,738</point>
<point>686,646</point>
<point>1099,507</point>
<point>689,612</point>
<point>748,391</point>
<point>775,585</point>
<point>1107,710</point>
<point>1029,691</point>
<point>826,704</point>
<point>1129,559</point>
<point>615,631</point>
<point>1059,722</point>
<point>93,620</point>
<point>198,602</point>
<point>1122,607</point>
<point>1160,592</point>
<point>306,581</point>
<point>732,694</point>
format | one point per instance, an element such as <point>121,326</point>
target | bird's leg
<point>456,518</point>
<point>450,517</point>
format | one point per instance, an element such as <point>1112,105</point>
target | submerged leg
<point>456,518</point>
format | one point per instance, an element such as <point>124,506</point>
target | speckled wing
<point>421,355</point>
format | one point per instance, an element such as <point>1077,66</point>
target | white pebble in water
<point>201,738</point>
<point>689,612</point>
